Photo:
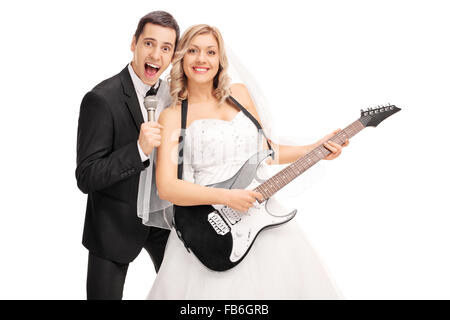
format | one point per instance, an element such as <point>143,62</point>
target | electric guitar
<point>221,237</point>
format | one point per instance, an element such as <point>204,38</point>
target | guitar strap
<point>184,108</point>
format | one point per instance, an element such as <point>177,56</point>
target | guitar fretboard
<point>282,178</point>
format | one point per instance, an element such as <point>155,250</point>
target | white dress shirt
<point>141,90</point>
<point>152,210</point>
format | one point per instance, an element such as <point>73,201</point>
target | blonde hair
<point>178,80</point>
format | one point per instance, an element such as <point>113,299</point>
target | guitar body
<point>221,237</point>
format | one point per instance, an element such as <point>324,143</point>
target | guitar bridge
<point>219,225</point>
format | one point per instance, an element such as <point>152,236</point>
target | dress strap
<point>252,118</point>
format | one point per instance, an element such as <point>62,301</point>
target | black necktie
<point>154,89</point>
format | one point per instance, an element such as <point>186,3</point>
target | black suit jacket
<point>108,169</point>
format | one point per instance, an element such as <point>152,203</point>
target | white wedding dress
<point>280,265</point>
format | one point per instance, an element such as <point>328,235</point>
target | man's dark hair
<point>160,18</point>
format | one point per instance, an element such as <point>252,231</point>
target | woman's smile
<point>200,70</point>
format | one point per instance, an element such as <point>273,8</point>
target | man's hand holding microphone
<point>150,135</point>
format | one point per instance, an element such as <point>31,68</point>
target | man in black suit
<point>114,145</point>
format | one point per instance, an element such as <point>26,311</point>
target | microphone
<point>150,103</point>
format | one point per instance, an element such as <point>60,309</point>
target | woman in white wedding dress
<point>219,138</point>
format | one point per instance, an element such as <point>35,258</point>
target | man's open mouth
<point>151,69</point>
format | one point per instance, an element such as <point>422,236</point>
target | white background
<point>378,215</point>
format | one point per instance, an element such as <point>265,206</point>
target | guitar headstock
<point>373,116</point>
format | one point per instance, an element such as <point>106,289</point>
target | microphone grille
<point>150,102</point>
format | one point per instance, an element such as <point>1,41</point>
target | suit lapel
<point>131,99</point>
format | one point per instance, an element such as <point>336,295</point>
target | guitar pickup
<point>232,216</point>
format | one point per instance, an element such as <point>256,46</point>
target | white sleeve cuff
<point>144,157</point>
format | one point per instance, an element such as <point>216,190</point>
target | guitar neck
<point>282,178</point>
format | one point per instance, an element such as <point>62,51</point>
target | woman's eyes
<point>193,50</point>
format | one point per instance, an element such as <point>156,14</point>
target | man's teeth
<point>153,65</point>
